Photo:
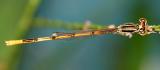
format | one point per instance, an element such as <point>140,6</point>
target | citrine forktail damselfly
<point>127,29</point>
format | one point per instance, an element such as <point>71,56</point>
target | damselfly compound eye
<point>143,20</point>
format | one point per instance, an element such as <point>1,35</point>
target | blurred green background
<point>37,18</point>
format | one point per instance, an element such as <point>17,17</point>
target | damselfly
<point>128,29</point>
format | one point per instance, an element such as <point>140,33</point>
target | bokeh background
<point>36,18</point>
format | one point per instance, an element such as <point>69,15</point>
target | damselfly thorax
<point>127,29</point>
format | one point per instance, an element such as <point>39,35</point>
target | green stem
<point>156,28</point>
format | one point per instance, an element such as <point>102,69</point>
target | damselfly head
<point>144,29</point>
